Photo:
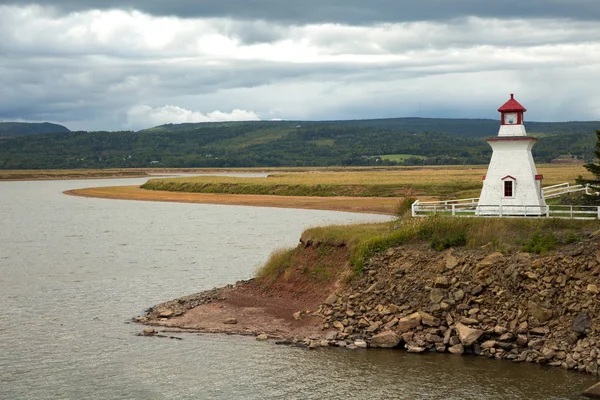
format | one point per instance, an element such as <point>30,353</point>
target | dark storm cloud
<point>349,11</point>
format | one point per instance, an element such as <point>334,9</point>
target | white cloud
<point>144,116</point>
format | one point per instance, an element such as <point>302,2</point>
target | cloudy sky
<point>132,64</point>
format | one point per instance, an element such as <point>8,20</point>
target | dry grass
<point>70,174</point>
<point>449,181</point>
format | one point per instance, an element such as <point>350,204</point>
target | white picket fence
<point>472,208</point>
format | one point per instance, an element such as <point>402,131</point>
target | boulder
<point>166,314</point>
<point>405,324</point>
<point>451,261</point>
<point>428,319</point>
<point>360,343</point>
<point>331,299</point>
<point>441,282</point>
<point>467,335</point>
<point>296,315</point>
<point>148,332</point>
<point>413,348</point>
<point>262,337</point>
<point>230,321</point>
<point>436,295</point>
<point>582,323</point>
<point>385,339</point>
<point>538,312</point>
<point>456,349</point>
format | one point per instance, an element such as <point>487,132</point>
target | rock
<point>331,335</point>
<point>428,319</point>
<point>582,323</point>
<point>436,295</point>
<point>412,348</point>
<point>489,260</point>
<point>431,338</point>
<point>332,299</point>
<point>451,261</point>
<point>459,295</point>
<point>476,290</point>
<point>410,322</point>
<point>262,337</point>
<point>593,392</point>
<point>467,335</point>
<point>441,282</point>
<point>314,344</point>
<point>166,314</point>
<point>538,312</point>
<point>521,340</point>
<point>539,331</point>
<point>488,344</point>
<point>148,332</point>
<point>548,353</point>
<point>593,289</point>
<point>456,349</point>
<point>231,321</point>
<point>469,321</point>
<point>360,343</point>
<point>296,315</point>
<point>500,330</point>
<point>386,339</point>
<point>338,325</point>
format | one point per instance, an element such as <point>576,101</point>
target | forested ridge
<point>12,129</point>
<point>289,143</point>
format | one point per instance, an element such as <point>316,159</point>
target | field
<point>438,182</point>
<point>400,157</point>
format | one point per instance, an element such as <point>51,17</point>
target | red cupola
<point>512,112</point>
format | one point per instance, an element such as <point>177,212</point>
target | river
<point>74,271</point>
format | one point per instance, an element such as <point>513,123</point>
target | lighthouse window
<point>508,188</point>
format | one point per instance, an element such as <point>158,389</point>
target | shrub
<point>540,244</point>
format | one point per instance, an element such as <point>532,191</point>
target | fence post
<point>453,210</point>
<point>547,211</point>
<point>598,212</point>
<point>414,208</point>
<point>571,212</point>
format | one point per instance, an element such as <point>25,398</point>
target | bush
<point>539,243</point>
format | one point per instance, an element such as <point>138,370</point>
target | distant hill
<point>12,129</point>
<point>417,141</point>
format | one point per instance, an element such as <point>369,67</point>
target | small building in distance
<point>512,185</point>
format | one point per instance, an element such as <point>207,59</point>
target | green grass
<point>364,241</point>
<point>400,157</point>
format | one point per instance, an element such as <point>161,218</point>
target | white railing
<point>422,209</point>
<point>563,188</point>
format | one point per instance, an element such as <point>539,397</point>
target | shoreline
<point>517,307</point>
<point>369,205</point>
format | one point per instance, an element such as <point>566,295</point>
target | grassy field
<point>440,182</point>
<point>400,157</point>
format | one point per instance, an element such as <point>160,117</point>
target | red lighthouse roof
<point>511,105</point>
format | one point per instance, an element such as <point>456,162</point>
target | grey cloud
<point>348,11</point>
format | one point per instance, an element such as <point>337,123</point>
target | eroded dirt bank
<point>518,307</point>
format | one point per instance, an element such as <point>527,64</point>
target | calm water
<point>73,271</point>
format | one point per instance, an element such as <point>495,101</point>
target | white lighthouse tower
<point>512,185</point>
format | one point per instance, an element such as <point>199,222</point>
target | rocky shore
<point>517,307</point>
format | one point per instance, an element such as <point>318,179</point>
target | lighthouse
<point>512,185</point>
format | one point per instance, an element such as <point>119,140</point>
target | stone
<point>593,289</point>
<point>296,315</point>
<point>436,295</point>
<point>459,295</point>
<point>412,348</point>
<point>488,344</point>
<point>469,321</point>
<point>431,338</point>
<point>548,353</point>
<point>410,322</point>
<point>467,335</point>
<point>360,343</point>
<point>332,299</point>
<point>338,325</point>
<point>500,330</point>
<point>538,312</point>
<point>230,321</point>
<point>407,337</point>
<point>456,349</point>
<point>166,314</point>
<point>148,332</point>
<point>262,337</point>
<point>385,339</point>
<point>593,392</point>
<point>331,335</point>
<point>451,261</point>
<point>582,323</point>
<point>428,319</point>
<point>539,331</point>
<point>441,282</point>
<point>476,290</point>
<point>521,340</point>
